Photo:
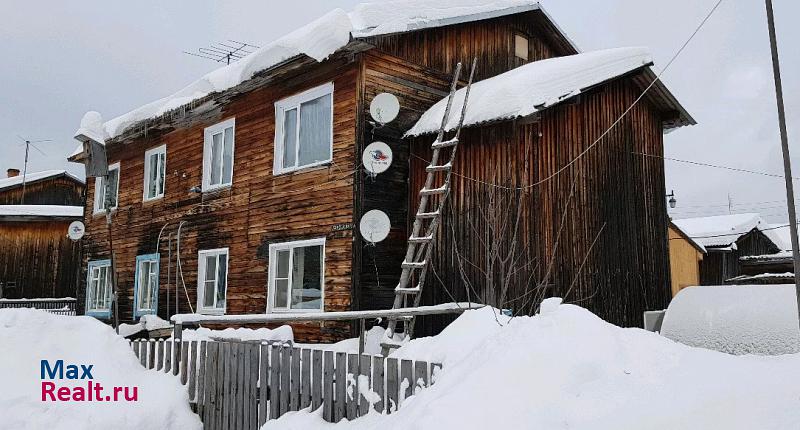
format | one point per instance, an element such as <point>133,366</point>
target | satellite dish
<point>377,157</point>
<point>76,230</point>
<point>375,226</point>
<point>384,108</point>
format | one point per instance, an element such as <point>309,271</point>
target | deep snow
<point>568,369</point>
<point>28,336</point>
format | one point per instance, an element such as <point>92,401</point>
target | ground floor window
<point>146,285</point>
<point>98,289</point>
<point>296,276</point>
<point>212,280</point>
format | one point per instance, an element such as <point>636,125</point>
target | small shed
<point>685,256</point>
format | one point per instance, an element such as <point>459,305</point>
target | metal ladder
<point>420,243</point>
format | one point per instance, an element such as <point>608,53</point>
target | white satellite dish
<point>375,226</point>
<point>377,157</point>
<point>384,108</point>
<point>76,230</point>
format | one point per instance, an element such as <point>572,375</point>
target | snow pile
<point>533,87</point>
<point>720,230</point>
<point>146,323</point>
<point>737,319</point>
<point>29,336</point>
<point>372,344</point>
<point>283,334</point>
<point>92,128</point>
<point>396,16</point>
<point>568,369</point>
<point>42,210</point>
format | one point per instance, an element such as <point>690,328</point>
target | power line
<point>716,166</point>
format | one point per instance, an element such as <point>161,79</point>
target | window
<point>296,276</point>
<point>304,129</point>
<point>98,289</point>
<point>521,46</point>
<point>145,292</point>
<point>212,280</point>
<point>218,143</point>
<point>106,190</point>
<point>155,165</point>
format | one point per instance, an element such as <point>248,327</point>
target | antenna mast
<point>28,145</point>
<point>224,52</point>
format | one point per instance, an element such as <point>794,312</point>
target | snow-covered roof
<point>533,87</point>
<point>780,234</point>
<point>318,40</point>
<point>783,255</point>
<point>688,237</point>
<point>36,176</point>
<point>720,230</point>
<point>737,319</point>
<point>41,211</point>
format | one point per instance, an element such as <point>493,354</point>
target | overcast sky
<point>61,59</point>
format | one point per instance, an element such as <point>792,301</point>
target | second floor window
<point>218,144</point>
<point>106,190</point>
<point>304,129</point>
<point>155,165</point>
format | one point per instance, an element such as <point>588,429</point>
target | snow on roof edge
<point>686,235</point>
<point>36,176</point>
<point>41,211</point>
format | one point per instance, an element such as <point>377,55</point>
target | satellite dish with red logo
<point>377,157</point>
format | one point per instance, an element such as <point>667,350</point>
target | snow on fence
<point>58,306</point>
<point>223,380</point>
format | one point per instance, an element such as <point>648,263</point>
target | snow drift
<point>28,336</point>
<point>736,319</point>
<point>568,369</point>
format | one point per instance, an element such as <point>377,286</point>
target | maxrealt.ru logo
<point>92,392</point>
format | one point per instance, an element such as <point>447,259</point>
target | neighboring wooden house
<point>262,223</point>
<point>685,256</point>
<point>37,260</point>
<point>727,238</point>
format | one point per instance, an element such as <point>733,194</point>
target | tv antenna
<point>28,144</point>
<point>224,52</point>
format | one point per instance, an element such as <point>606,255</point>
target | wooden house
<point>728,238</point>
<point>37,260</point>
<point>685,256</point>
<point>225,200</point>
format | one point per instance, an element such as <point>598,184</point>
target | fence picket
<point>378,375</point>
<point>294,384</point>
<point>168,356</point>
<point>210,400</point>
<point>351,383</point>
<point>274,382</point>
<point>252,383</point>
<point>327,386</point>
<point>200,394</point>
<point>305,378</point>
<point>192,369</point>
<point>263,383</point>
<point>286,358</point>
<point>392,386</point>
<point>184,364</point>
<point>406,379</point>
<point>420,375</point>
<point>364,369</point>
<point>340,386</point>
<point>160,355</point>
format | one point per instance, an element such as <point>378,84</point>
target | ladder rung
<point>413,265</point>
<point>429,192</point>
<point>420,239</point>
<point>414,290</point>
<point>442,168</point>
<point>445,144</point>
<point>428,215</point>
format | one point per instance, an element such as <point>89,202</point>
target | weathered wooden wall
<point>720,265</point>
<point>39,259</point>
<point>491,41</point>
<point>684,262</point>
<point>618,199</point>
<point>61,191</point>
<point>257,210</point>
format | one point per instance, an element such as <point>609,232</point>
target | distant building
<point>37,260</point>
<point>727,238</point>
<point>685,257</point>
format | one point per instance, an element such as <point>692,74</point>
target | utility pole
<point>787,163</point>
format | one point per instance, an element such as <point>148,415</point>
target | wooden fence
<point>241,385</point>
<point>58,306</point>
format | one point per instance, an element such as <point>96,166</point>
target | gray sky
<point>61,59</point>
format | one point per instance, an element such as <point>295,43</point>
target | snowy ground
<point>567,369</point>
<point>28,336</point>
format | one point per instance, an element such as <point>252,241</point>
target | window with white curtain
<point>98,288</point>
<point>212,280</point>
<point>304,129</point>
<point>296,276</point>
<point>106,190</point>
<point>218,143</point>
<point>155,165</point>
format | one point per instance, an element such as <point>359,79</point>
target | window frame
<point>150,258</point>
<point>208,134</point>
<point>201,275</point>
<point>294,102</point>
<point>145,185</point>
<point>273,261</point>
<point>94,312</point>
<point>521,35</point>
<point>97,182</point>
